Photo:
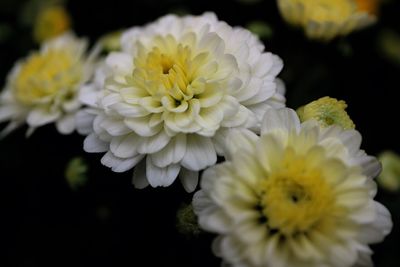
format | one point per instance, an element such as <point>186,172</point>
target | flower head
<point>326,19</point>
<point>43,88</point>
<point>299,195</point>
<point>51,22</point>
<point>169,98</point>
<point>327,111</point>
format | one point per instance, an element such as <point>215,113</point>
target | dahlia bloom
<point>327,19</point>
<point>299,195</point>
<point>43,88</point>
<point>166,102</point>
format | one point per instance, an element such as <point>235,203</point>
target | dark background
<point>109,223</point>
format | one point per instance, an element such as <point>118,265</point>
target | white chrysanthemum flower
<point>43,88</point>
<point>169,97</point>
<point>299,195</point>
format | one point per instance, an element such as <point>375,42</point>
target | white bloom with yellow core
<point>326,19</point>
<point>44,87</point>
<point>298,195</point>
<point>167,100</point>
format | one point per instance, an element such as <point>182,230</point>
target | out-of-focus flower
<point>43,88</point>
<point>187,221</point>
<point>389,45</point>
<point>326,19</point>
<point>111,41</point>
<point>166,102</point>
<point>299,195</point>
<point>261,28</point>
<point>75,173</point>
<point>327,111</point>
<point>390,175</point>
<point>51,22</point>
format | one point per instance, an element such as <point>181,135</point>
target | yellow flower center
<point>45,75</point>
<point>295,197</point>
<point>327,111</point>
<point>169,68</point>
<point>51,21</point>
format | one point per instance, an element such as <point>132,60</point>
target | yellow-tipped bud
<point>327,111</point>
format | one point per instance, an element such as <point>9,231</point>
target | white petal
<point>239,139</point>
<point>215,220</point>
<point>161,176</point>
<point>139,178</point>
<point>130,110</point>
<point>125,146</point>
<point>141,126</point>
<point>66,124</point>
<point>39,117</point>
<point>120,165</point>
<point>93,144</point>
<point>114,127</point>
<point>71,105</point>
<point>173,152</point>
<point>155,143</point>
<point>7,112</point>
<point>283,118</point>
<point>382,225</point>
<point>84,122</point>
<point>189,179</point>
<point>201,202</point>
<point>88,95</point>
<point>200,153</point>
<point>352,140</point>
<point>9,128</point>
<point>121,63</point>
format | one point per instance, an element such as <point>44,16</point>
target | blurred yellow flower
<point>327,111</point>
<point>43,88</point>
<point>51,22</point>
<point>390,175</point>
<point>326,19</point>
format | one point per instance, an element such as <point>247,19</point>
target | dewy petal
<point>200,153</point>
